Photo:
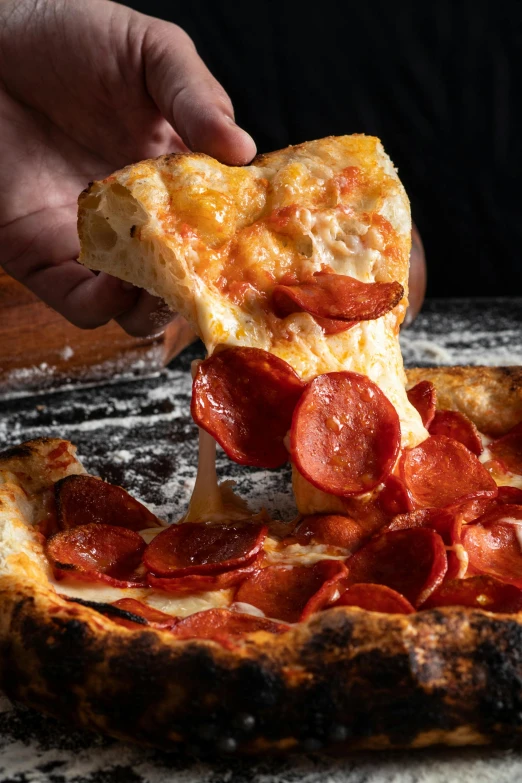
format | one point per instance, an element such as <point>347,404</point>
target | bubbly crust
<point>346,679</point>
<point>489,396</point>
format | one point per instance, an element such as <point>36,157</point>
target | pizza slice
<point>304,255</point>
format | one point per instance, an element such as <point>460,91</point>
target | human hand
<point>87,87</point>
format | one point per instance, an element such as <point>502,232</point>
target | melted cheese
<point>503,478</point>
<point>213,240</point>
<point>174,605</point>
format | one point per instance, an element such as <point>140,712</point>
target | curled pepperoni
<point>345,434</point>
<point>494,544</point>
<point>331,326</point>
<point>201,583</point>
<point>224,626</point>
<point>509,495</point>
<point>440,520</point>
<point>95,552</point>
<point>394,498</point>
<point>453,424</point>
<point>508,450</point>
<point>423,397</point>
<point>81,500</point>
<point>478,592</point>
<point>331,530</point>
<point>196,548</point>
<point>412,562</point>
<point>442,472</point>
<point>245,397</point>
<point>375,598</point>
<point>292,593</point>
<point>337,297</point>
<point>153,617</point>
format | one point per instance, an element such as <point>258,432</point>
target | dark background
<point>439,82</point>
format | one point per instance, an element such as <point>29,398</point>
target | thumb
<point>190,98</point>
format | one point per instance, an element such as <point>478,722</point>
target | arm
<point>87,87</point>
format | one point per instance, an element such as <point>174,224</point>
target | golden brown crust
<point>490,396</point>
<point>346,679</point>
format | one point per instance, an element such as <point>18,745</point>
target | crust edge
<point>345,680</point>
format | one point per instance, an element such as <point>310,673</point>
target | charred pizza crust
<point>347,678</point>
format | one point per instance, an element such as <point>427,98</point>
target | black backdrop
<point>439,82</point>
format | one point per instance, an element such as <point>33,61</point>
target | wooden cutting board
<point>40,350</point>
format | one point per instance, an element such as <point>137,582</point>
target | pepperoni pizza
<point>386,613</point>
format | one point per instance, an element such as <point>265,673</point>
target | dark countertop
<point>139,434</point>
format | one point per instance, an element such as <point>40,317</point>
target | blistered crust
<point>489,396</point>
<point>345,680</point>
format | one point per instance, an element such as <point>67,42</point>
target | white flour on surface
<point>139,434</point>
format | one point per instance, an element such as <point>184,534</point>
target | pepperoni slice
<point>224,626</point>
<point>332,326</point>
<point>196,548</point>
<point>423,397</point>
<point>375,598</point>
<point>331,530</point>
<point>98,552</point>
<point>494,544</point>
<point>440,520</point>
<point>509,495</point>
<point>81,500</point>
<point>153,617</point>
<point>345,434</point>
<point>245,397</point>
<point>412,562</point>
<point>442,472</point>
<point>394,498</point>
<point>292,593</point>
<point>508,449</point>
<point>478,592</point>
<point>201,583</point>
<point>337,296</point>
<point>453,424</point>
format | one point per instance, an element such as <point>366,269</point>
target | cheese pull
<point>303,254</point>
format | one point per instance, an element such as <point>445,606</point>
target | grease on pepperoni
<point>453,424</point>
<point>345,434</point>
<point>508,450</point>
<point>338,297</point>
<point>245,398</point>
<point>478,592</point>
<point>293,593</point>
<point>423,397</point>
<point>99,553</point>
<point>412,562</point>
<point>442,472</point>
<point>394,498</point>
<point>81,500</point>
<point>440,520</point>
<point>196,548</point>
<point>331,530</point>
<point>202,583</point>
<point>375,598</point>
<point>154,618</point>
<point>224,626</point>
<point>494,544</point>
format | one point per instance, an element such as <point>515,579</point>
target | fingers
<point>190,98</point>
<point>87,300</point>
<point>148,315</point>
